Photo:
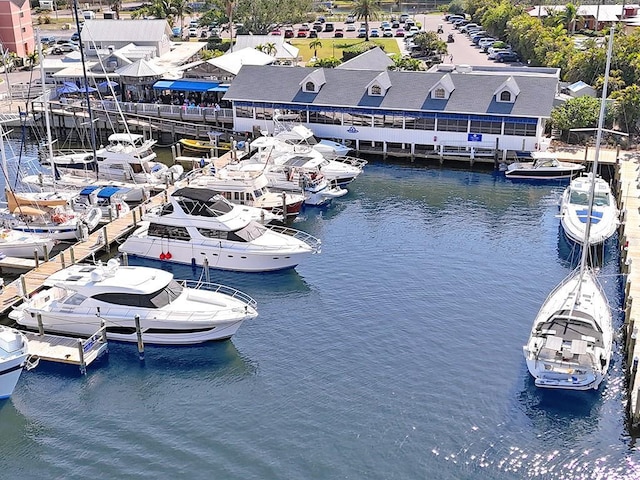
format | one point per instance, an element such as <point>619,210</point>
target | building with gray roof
<point>453,109</point>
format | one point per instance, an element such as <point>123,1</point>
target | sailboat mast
<point>47,118</point>
<point>92,129</point>
<point>585,248</point>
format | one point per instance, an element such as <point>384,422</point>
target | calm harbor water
<point>394,354</point>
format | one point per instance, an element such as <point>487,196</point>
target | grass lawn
<point>332,47</point>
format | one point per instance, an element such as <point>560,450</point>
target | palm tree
<point>367,10</point>
<point>229,5</point>
<point>33,58</point>
<point>116,5</point>
<point>270,48</point>
<point>179,8</point>
<point>570,15</point>
<point>315,44</point>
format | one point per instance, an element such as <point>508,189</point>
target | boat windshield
<point>258,192</point>
<point>157,299</point>
<point>579,198</point>
<point>601,200</point>
<point>251,232</point>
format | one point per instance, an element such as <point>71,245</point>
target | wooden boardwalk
<point>99,240</point>
<point>626,186</point>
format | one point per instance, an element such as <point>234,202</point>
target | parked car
<point>387,32</point>
<point>64,48</point>
<point>289,33</point>
<point>458,24</point>
<point>362,33</point>
<point>193,24</point>
<point>408,24</point>
<point>400,32</point>
<point>384,25</point>
<point>350,19</point>
<point>328,27</point>
<point>404,17</point>
<point>486,41</point>
<point>321,19</point>
<point>317,26</point>
<point>76,37</point>
<point>465,28</point>
<point>477,36</point>
<point>375,33</point>
<point>503,57</point>
<point>48,40</point>
<point>495,51</point>
<point>302,34</point>
<point>304,27</point>
<point>313,34</point>
<point>276,32</point>
<point>350,28</point>
<point>339,33</point>
<point>193,32</point>
<point>175,31</point>
<point>395,24</point>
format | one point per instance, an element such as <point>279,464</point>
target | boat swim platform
<point>627,188</point>
<point>68,350</point>
<point>100,240</point>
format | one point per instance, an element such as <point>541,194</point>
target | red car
<point>275,32</point>
<point>288,33</point>
<point>399,32</point>
<point>302,34</point>
<point>339,33</point>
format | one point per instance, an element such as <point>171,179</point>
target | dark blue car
<point>503,57</point>
<point>75,37</point>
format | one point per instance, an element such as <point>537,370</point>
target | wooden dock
<point>100,240</point>
<point>72,351</point>
<point>628,192</point>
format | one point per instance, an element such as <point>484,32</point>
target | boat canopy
<point>89,190</point>
<point>108,192</point>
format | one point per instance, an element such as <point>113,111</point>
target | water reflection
<point>599,256</point>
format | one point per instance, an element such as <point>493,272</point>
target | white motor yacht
<point>198,226</point>
<point>128,161</point>
<point>270,150</point>
<point>77,299</point>
<point>574,210</point>
<point>14,243</point>
<point>248,188</point>
<point>110,201</point>
<point>545,166</point>
<point>13,357</point>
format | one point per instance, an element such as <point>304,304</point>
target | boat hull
<point>219,258</point>
<point>13,356</point>
<point>122,329</point>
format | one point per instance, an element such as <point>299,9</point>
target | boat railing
<point>353,161</point>
<point>313,242</point>
<point>247,300</point>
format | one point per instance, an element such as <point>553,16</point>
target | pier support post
<point>125,259</point>
<point>23,287</point>
<point>634,372</point>
<point>46,253</point>
<point>40,325</point>
<point>135,218</point>
<point>284,206</point>
<point>107,246</point>
<point>72,256</point>
<point>205,267</point>
<point>36,257</point>
<point>140,341</point>
<point>83,363</point>
<point>62,260</point>
<point>631,345</point>
<point>103,327</point>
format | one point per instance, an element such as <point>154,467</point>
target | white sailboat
<point>571,339</point>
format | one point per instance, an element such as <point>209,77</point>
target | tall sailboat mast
<point>47,118</point>
<point>585,248</point>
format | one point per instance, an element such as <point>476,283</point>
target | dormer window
<point>505,96</point>
<point>379,86</point>
<point>508,91</point>
<point>376,90</point>
<point>313,82</point>
<point>439,93</point>
<point>443,88</point>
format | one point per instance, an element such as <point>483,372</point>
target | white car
<point>486,41</point>
<point>493,52</point>
<point>350,27</point>
<point>193,32</point>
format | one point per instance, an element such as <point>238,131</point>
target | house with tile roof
<point>470,110</point>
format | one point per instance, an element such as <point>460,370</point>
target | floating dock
<point>627,189</point>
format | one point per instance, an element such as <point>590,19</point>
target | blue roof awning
<point>186,85</point>
<point>219,88</point>
<point>88,190</point>
<point>107,192</point>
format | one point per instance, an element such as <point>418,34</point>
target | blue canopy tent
<point>107,84</point>
<point>87,89</point>
<point>68,88</point>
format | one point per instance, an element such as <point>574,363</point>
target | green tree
<point>331,62</point>
<point>581,112</point>
<point>406,63</point>
<point>570,15</point>
<point>627,108</point>
<point>116,6</point>
<point>315,45</point>
<point>366,10</point>
<point>495,19</point>
<point>430,43</point>
<point>32,58</point>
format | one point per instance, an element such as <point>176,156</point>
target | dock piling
<point>46,253</point>
<point>72,255</point>
<point>40,325</point>
<point>125,259</point>
<point>140,341</point>
<point>106,239</point>
<point>83,363</point>
<point>62,260</point>
<point>36,257</point>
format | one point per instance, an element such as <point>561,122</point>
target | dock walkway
<point>627,188</point>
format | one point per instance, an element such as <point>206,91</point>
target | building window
<point>24,29</point>
<point>505,96</point>
<point>309,87</point>
<point>357,119</point>
<point>332,118</point>
<point>439,93</point>
<point>376,90</point>
<point>485,126</point>
<point>244,112</point>
<point>453,124</point>
<point>394,121</point>
<point>21,14</point>
<point>264,113</point>
<point>418,123</point>
<point>520,129</point>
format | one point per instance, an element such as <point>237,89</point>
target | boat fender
<point>536,146</point>
<point>118,206</point>
<point>163,256</point>
<point>168,255</point>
